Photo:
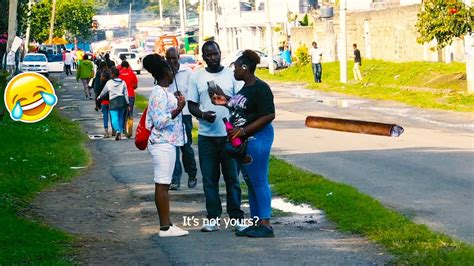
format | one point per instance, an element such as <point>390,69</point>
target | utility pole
<point>469,52</point>
<point>201,24</point>
<point>51,25</point>
<point>28,29</point>
<point>271,70</point>
<point>12,23</point>
<point>161,15</point>
<point>181,17</point>
<point>130,20</point>
<point>343,41</point>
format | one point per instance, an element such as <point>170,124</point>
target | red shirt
<point>127,75</point>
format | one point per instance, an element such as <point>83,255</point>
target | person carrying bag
<point>118,104</point>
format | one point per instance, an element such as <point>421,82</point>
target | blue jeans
<point>317,72</point>
<point>211,159</point>
<point>117,116</point>
<point>256,173</point>
<point>189,162</point>
<point>131,103</point>
<point>105,115</point>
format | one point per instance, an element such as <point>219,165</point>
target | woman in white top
<point>118,101</point>
<point>167,132</point>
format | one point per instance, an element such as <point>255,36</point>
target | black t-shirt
<point>357,57</point>
<point>251,103</point>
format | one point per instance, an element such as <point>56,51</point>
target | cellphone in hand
<point>211,85</point>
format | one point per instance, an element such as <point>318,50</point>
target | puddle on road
<point>286,206</point>
<point>86,119</point>
<point>68,107</point>
<point>96,137</point>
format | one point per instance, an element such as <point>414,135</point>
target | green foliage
<point>170,8</point>
<point>305,21</point>
<point>302,55</point>
<point>352,211</point>
<point>73,19</point>
<point>443,21</point>
<point>420,84</point>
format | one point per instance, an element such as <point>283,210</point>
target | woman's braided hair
<point>156,65</point>
<point>249,58</point>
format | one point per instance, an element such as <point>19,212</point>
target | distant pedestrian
<point>68,63</point>
<point>316,58</point>
<point>182,74</point>
<point>11,63</point>
<point>104,76</point>
<point>85,71</point>
<point>357,63</point>
<point>109,62</point>
<point>126,74</point>
<point>164,119</point>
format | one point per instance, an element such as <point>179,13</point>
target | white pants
<point>164,158</point>
<point>356,70</point>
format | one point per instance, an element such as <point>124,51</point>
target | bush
<point>302,56</point>
<point>3,84</point>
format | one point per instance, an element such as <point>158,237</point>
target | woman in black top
<point>251,113</point>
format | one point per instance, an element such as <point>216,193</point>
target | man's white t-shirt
<point>316,55</point>
<point>182,79</point>
<point>198,93</point>
<point>68,59</point>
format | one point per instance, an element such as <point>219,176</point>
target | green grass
<point>34,157</point>
<point>421,84</point>
<point>355,212</point>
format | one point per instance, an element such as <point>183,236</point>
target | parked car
<point>189,61</point>
<point>264,60</point>
<point>35,62</point>
<point>54,54</point>
<point>134,60</point>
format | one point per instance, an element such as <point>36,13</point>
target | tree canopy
<point>73,19</point>
<point>443,21</point>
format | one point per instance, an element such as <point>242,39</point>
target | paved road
<point>426,174</point>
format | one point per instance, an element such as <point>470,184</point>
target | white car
<point>35,62</point>
<point>264,60</point>
<point>134,60</point>
<point>114,53</point>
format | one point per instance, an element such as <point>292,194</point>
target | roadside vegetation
<point>34,157</point>
<point>354,212</point>
<point>421,84</point>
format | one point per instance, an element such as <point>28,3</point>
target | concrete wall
<point>388,34</point>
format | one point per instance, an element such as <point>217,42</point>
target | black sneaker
<point>174,187</point>
<point>245,231</point>
<point>192,181</point>
<point>261,231</point>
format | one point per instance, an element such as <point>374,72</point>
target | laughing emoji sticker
<point>30,97</point>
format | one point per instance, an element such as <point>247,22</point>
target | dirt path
<point>111,211</point>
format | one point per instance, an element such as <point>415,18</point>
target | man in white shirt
<point>316,58</point>
<point>213,136</point>
<point>68,63</point>
<point>181,83</point>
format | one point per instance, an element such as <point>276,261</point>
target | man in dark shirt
<point>357,63</point>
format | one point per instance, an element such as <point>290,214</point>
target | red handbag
<point>142,134</point>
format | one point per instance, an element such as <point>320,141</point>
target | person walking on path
<point>165,123</point>
<point>357,63</point>
<point>316,58</point>
<point>126,74</point>
<point>252,113</point>
<point>103,102</point>
<point>85,71</point>
<point>213,137</point>
<point>67,63</point>
<point>118,101</point>
<point>11,63</point>
<point>109,62</point>
<point>180,83</point>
